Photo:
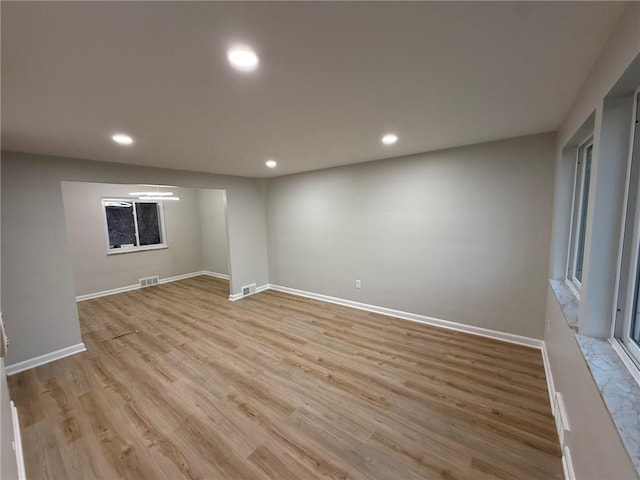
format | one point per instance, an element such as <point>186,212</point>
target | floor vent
<point>147,282</point>
<point>248,289</point>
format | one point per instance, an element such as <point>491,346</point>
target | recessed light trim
<point>271,163</point>
<point>243,58</point>
<point>390,139</point>
<point>122,139</point>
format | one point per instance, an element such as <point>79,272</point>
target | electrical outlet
<point>358,284</point>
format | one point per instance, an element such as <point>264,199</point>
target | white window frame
<point>137,248</point>
<point>577,217</point>
<point>627,288</point>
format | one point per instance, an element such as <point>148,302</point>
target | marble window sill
<point>567,299</point>
<point>620,391</point>
<point>618,387</point>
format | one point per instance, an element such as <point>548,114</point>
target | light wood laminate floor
<point>282,387</point>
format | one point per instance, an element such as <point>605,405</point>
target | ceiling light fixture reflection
<point>151,194</point>
<point>271,163</point>
<point>389,139</point>
<point>159,198</point>
<point>157,186</point>
<point>243,58</point>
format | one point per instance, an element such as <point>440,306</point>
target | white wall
<point>621,48</point>
<point>38,294</point>
<point>8,465</point>
<point>460,234</point>
<point>95,271</point>
<point>213,219</point>
<point>596,448</point>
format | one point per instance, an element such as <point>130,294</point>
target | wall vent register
<point>248,289</point>
<point>147,282</point>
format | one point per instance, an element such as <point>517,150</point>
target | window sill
<point>120,251</point>
<point>619,390</point>
<point>569,303</point>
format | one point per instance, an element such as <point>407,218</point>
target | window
<point>627,314</point>
<point>579,214</point>
<point>133,225</point>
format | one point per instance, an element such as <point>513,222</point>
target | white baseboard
<point>224,276</point>
<point>562,420</point>
<point>129,288</point>
<point>104,293</point>
<point>43,359</point>
<point>17,442</point>
<point>550,385</point>
<point>558,409</point>
<point>567,465</point>
<point>184,276</point>
<point>414,317</point>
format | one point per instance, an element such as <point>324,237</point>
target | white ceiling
<point>333,78</point>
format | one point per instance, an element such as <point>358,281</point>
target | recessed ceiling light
<point>243,58</point>
<point>271,163</point>
<point>389,139</point>
<point>122,139</point>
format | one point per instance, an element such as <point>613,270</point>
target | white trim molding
<point>208,273</point>
<point>129,288</point>
<point>547,373</point>
<point>625,359</point>
<point>184,276</point>
<point>567,464</point>
<point>17,441</point>
<point>104,293</point>
<point>43,359</point>
<point>558,409</point>
<point>562,420</point>
<point>414,317</point>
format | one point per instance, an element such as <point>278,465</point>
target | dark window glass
<point>635,324</point>
<point>583,212</point>
<point>148,223</point>
<point>122,229</point>
<point>634,332</point>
